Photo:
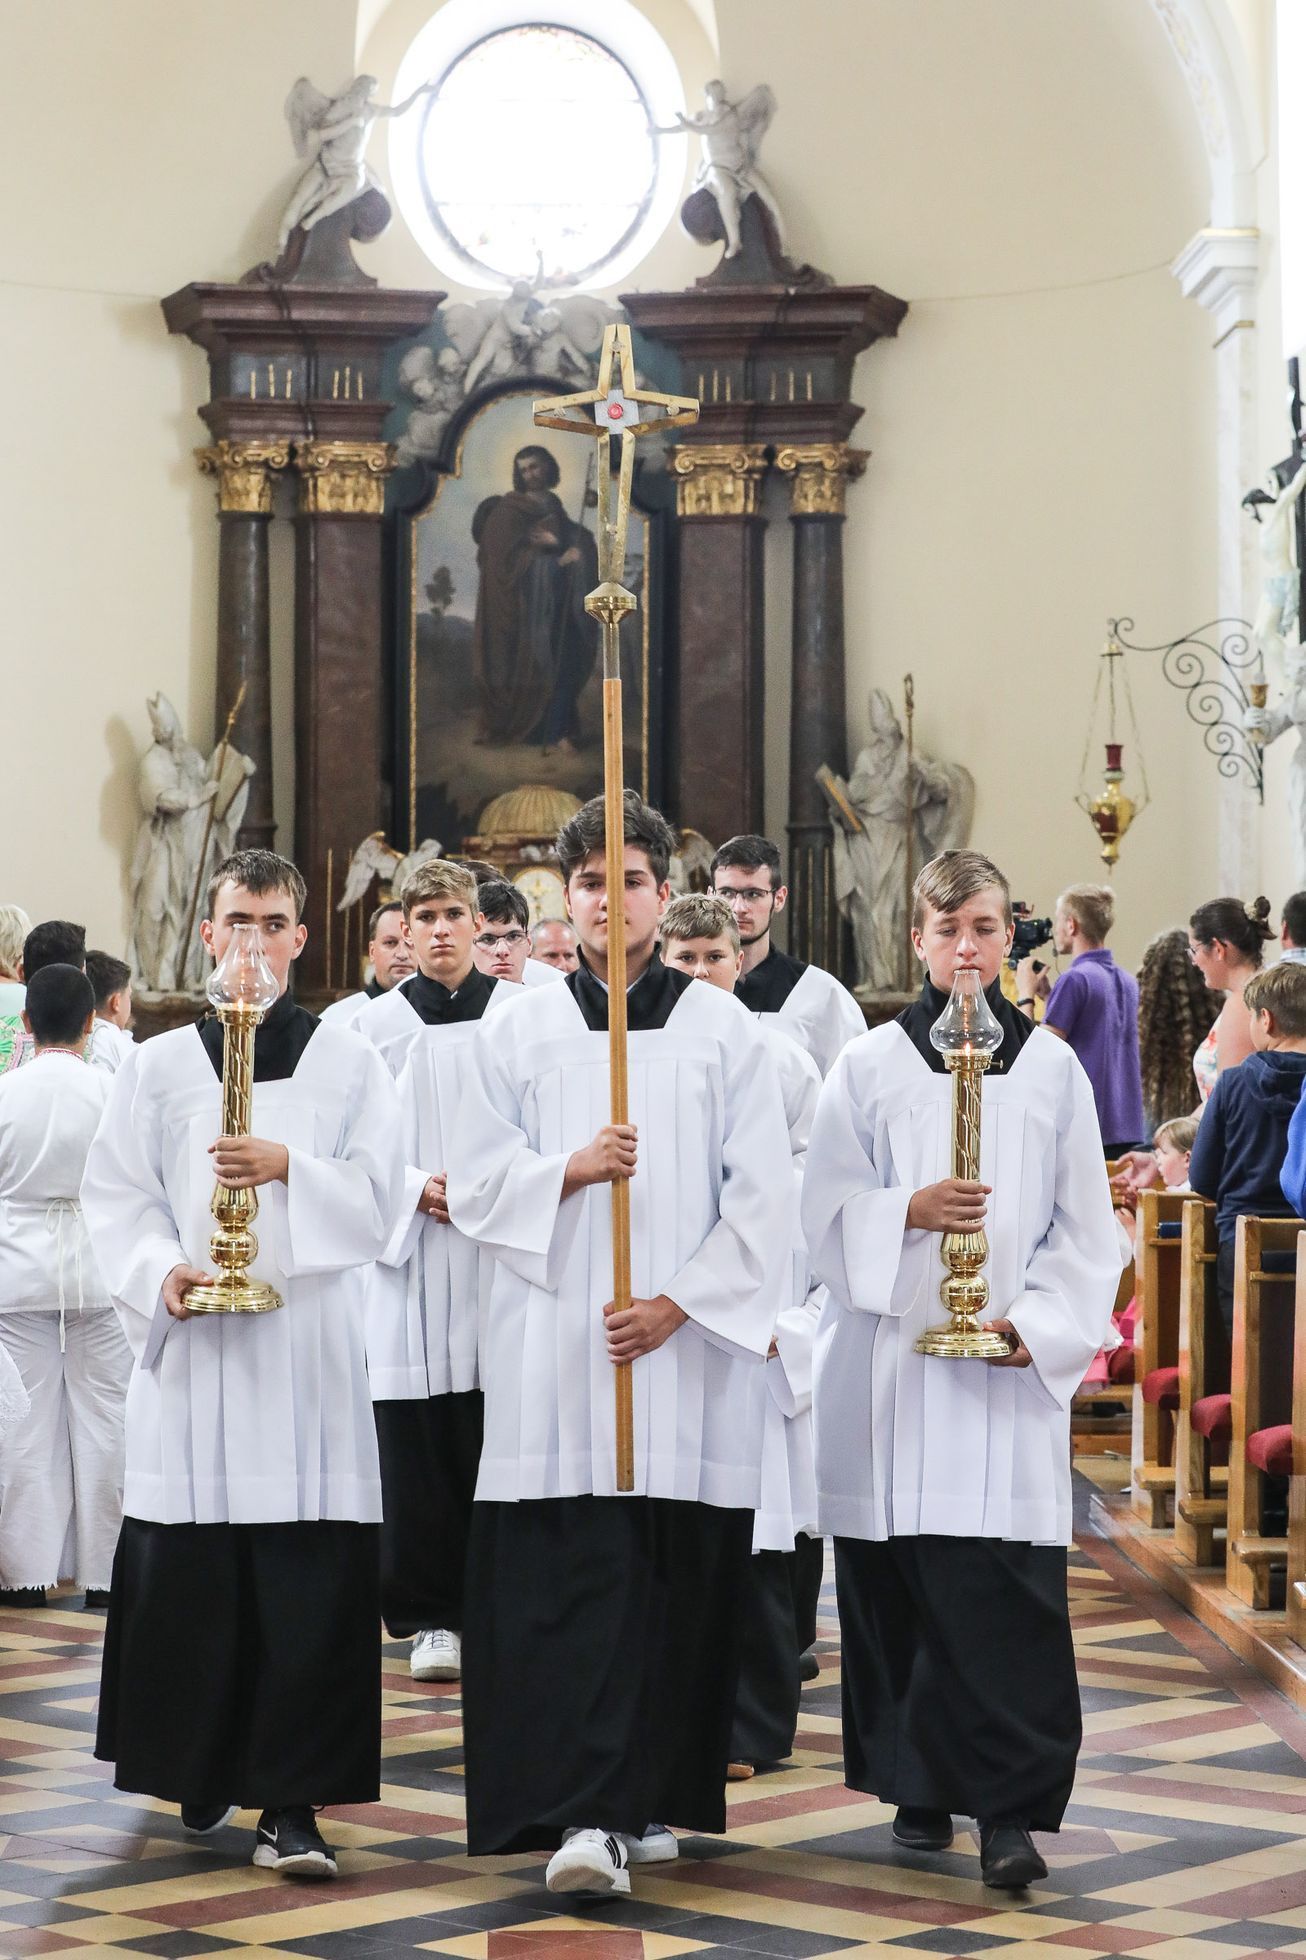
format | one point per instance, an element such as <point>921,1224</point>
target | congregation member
<point>809,1004</point>
<point>602,1629</point>
<point>55,942</point>
<point>14,928</point>
<point>699,937</point>
<point>1292,929</point>
<point>242,1668</point>
<point>1242,1139</point>
<point>553,943</point>
<point>425,1300</point>
<point>1226,940</point>
<point>1172,1149</point>
<point>946,1484</point>
<point>61,1470</point>
<point>390,957</point>
<point>503,945</point>
<point>1175,1012</point>
<point>111,982</point>
<point>1094,1006</point>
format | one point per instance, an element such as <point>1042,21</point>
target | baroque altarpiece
<point>442,659</point>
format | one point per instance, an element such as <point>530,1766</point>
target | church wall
<point>1041,457</point>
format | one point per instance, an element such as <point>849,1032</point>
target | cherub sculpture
<point>731,134</point>
<point>333,132</point>
<point>374,859</point>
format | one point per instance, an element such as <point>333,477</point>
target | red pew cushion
<point>1212,1416</point>
<point>1121,1365</point>
<point>1271,1450</point>
<point>1161,1386</point>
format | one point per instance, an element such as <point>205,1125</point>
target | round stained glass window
<point>536,155</point>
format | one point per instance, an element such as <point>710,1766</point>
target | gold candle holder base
<point>233,1293</point>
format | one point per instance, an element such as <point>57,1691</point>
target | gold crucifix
<point>616,408</point>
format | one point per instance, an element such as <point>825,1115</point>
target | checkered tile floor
<point>1186,1839</point>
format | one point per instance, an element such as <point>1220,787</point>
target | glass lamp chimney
<point>242,978</point>
<point>967,1025</point>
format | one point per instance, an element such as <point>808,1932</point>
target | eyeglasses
<point>749,895</point>
<point>487,940</point>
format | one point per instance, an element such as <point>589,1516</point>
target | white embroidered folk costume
<point>804,1002</point>
<point>424,1309</point>
<point>787,1557</point>
<point>61,1469</point>
<point>946,1483</point>
<point>241,1660</point>
<point>599,1668</point>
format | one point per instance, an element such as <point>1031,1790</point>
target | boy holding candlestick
<point>241,1660</point>
<point>946,1483</point>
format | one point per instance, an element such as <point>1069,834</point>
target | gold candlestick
<point>967,1035</point>
<point>242,989</point>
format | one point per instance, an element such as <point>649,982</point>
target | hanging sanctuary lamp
<point>1108,807</point>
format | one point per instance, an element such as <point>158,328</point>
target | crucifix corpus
<point>616,408</point>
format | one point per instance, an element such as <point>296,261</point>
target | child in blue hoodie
<point>1242,1139</point>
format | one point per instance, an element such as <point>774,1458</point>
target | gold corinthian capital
<point>718,479</point>
<point>244,473</point>
<point>819,473</point>
<point>343,479</point>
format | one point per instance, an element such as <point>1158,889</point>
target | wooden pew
<point>1262,1391</point>
<point>1296,1589</point>
<point>1100,1411</point>
<point>1200,1483</point>
<point>1156,1372</point>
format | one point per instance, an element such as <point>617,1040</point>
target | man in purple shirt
<point>1093,1006</point>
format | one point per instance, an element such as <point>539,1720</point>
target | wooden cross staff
<point>616,407</point>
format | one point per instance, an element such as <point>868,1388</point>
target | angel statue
<point>887,797</point>
<point>192,811</point>
<point>1275,511</point>
<point>374,858</point>
<point>731,134</point>
<point>333,132</point>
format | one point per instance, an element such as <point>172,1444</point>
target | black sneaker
<point>922,1830</point>
<point>289,1841</point>
<point>1008,1859</point>
<point>201,1818</point>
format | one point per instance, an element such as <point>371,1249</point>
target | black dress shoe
<point>809,1667</point>
<point>97,1599</point>
<point>922,1830</point>
<point>201,1818</point>
<point>23,1597</point>
<point>1008,1859</point>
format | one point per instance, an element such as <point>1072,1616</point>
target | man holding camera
<point>1094,1007</point>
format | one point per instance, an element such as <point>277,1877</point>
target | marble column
<point>818,726</point>
<point>718,710</point>
<point>244,472</point>
<point>339,752</point>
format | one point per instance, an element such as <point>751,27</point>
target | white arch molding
<point>1220,269</point>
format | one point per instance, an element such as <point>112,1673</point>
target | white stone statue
<point>178,848</point>
<point>870,863</point>
<point>731,134</point>
<point>1267,725</point>
<point>495,340</point>
<point>332,131</point>
<point>375,859</point>
<point>1276,615</point>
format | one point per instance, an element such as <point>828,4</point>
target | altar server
<point>60,1470</point>
<point>241,1660</point>
<point>809,1004</point>
<point>599,1672</point>
<point>699,937</point>
<point>111,1040</point>
<point>390,956</point>
<point>503,945</point>
<point>946,1483</point>
<point>424,1302</point>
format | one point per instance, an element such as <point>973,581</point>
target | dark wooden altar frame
<point>413,495</point>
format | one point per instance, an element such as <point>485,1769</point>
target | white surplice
<point>538,973</point>
<point>345,1012</point>
<point>820,1015</point>
<point>909,1444</point>
<point>788,1501</point>
<point>49,1114</point>
<point>248,1419</point>
<point>426,1299</point>
<point>711,1226</point>
<point>109,1046</point>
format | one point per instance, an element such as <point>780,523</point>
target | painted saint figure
<point>534,646</point>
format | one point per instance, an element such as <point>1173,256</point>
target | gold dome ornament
<point>532,810</point>
<point>1110,809</point>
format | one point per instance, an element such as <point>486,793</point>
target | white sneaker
<point>589,1861</point>
<point>437,1655</point>
<point>658,1846</point>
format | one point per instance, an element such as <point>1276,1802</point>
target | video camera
<point>1028,934</point>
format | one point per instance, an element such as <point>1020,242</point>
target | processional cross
<point>616,408</point>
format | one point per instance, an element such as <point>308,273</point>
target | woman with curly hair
<point>1176,1011</point>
